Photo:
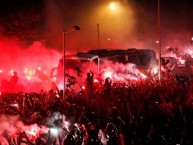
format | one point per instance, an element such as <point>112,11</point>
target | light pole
<point>159,40</point>
<point>74,28</point>
<point>98,37</point>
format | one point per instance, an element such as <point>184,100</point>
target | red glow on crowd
<point>33,67</point>
<point>107,74</point>
<point>32,64</point>
<point>96,81</point>
<point>34,76</point>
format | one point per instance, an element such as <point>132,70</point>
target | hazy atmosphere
<point>129,23</point>
<point>32,37</point>
<point>96,72</point>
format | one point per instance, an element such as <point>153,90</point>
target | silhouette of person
<point>14,80</point>
<point>89,79</point>
<point>107,86</point>
<point>89,87</point>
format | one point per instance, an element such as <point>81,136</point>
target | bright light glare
<point>189,51</point>
<point>182,61</point>
<point>108,74</point>
<point>60,86</point>
<point>96,81</point>
<point>83,87</point>
<point>15,105</point>
<point>31,132</point>
<point>54,131</point>
<point>115,8</point>
<point>39,68</point>
<point>112,6</point>
<point>154,70</point>
<point>11,72</point>
<point>143,76</point>
<point>28,78</point>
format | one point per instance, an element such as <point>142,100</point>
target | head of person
<point>14,73</point>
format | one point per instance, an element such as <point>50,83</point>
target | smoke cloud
<point>32,63</point>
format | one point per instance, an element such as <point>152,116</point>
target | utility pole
<point>98,36</point>
<point>74,28</point>
<point>159,41</point>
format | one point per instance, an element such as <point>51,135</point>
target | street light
<point>74,28</point>
<point>98,37</point>
<point>115,7</point>
<point>112,5</point>
<point>159,40</point>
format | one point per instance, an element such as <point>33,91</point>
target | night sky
<point>134,26</point>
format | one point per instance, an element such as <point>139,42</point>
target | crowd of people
<point>143,112</point>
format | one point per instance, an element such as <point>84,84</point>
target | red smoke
<point>32,64</point>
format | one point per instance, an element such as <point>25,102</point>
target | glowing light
<point>29,73</point>
<point>25,70</point>
<point>31,132</point>
<point>155,70</point>
<point>143,76</point>
<point>76,124</point>
<point>1,70</point>
<point>11,72</point>
<point>15,105</point>
<point>83,87</point>
<point>112,6</point>
<point>182,62</point>
<point>189,51</point>
<point>134,78</point>
<point>108,39</point>
<point>163,69</point>
<point>74,58</point>
<point>115,8</point>
<point>108,74</point>
<point>54,131</point>
<point>66,125</point>
<point>57,95</point>
<point>96,81</point>
<point>60,86</point>
<point>28,77</point>
<point>39,68</point>
<point>34,130</point>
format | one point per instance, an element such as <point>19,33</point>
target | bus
<point>95,59</point>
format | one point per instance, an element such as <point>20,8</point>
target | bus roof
<point>82,56</point>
